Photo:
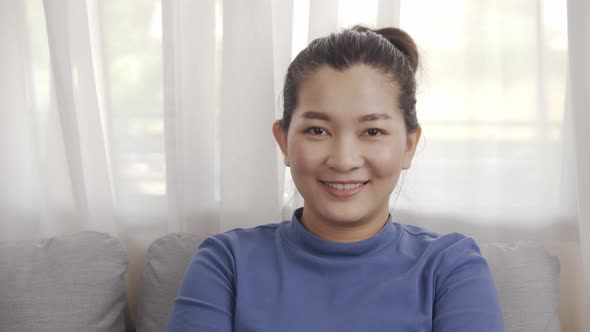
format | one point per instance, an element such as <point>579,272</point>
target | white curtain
<point>579,107</point>
<point>141,118</point>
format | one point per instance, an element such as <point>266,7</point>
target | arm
<point>466,297</point>
<point>205,301</point>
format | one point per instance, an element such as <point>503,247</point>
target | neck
<point>344,231</point>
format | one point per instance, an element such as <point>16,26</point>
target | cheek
<point>386,159</point>
<point>304,155</point>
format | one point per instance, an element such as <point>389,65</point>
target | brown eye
<point>317,131</point>
<point>374,132</point>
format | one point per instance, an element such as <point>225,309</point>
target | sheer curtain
<point>578,122</point>
<point>140,118</point>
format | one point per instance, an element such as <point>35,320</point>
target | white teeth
<point>347,186</point>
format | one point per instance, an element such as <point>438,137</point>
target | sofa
<point>77,282</point>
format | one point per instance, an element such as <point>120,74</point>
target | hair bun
<point>400,39</point>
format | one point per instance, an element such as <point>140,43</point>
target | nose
<point>345,155</point>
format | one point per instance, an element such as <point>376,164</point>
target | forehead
<point>356,90</point>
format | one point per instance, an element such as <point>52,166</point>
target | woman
<point>341,263</point>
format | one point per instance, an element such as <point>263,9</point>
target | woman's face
<point>347,144</point>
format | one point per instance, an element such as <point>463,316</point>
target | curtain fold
<point>191,115</point>
<point>388,13</point>
<point>19,172</point>
<point>579,101</point>
<point>247,151</point>
<point>323,18</point>
<point>83,131</point>
<point>282,41</point>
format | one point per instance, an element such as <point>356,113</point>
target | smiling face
<point>346,146</point>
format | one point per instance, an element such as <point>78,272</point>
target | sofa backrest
<point>527,279</point>
<point>167,259</point>
<point>71,282</point>
<point>77,283</point>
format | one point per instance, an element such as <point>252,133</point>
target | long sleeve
<point>206,298</point>
<point>466,298</point>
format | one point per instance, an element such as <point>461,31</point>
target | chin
<point>344,214</point>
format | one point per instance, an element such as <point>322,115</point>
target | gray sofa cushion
<point>527,278</point>
<point>167,260</point>
<point>65,283</point>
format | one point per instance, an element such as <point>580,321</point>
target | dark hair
<point>390,50</point>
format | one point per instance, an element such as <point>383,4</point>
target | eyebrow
<point>325,117</point>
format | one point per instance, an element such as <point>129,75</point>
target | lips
<point>343,189</point>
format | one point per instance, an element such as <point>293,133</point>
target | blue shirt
<point>281,278</point>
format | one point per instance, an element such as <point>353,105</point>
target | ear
<point>411,144</point>
<point>281,138</point>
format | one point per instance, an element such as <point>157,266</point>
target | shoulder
<point>242,238</point>
<point>435,243</point>
<point>219,253</point>
<point>446,253</point>
<point>464,291</point>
